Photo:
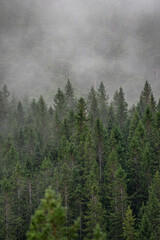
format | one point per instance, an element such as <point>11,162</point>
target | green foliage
<point>69,96</point>
<point>48,222</point>
<point>150,223</point>
<point>129,232</point>
<point>98,234</point>
<point>97,154</point>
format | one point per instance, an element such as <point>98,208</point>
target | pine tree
<point>95,214</point>
<point>20,114</point>
<point>150,224</point>
<point>42,117</point>
<point>5,210</point>
<point>129,232</point>
<point>158,105</point>
<point>48,222</point>
<point>153,103</point>
<point>4,108</point>
<point>134,123</point>
<point>118,202</point>
<point>17,193</point>
<point>111,117</point>
<point>69,96</point>
<point>134,168</point>
<point>100,137</point>
<point>121,109</point>
<point>81,118</point>
<point>102,103</point>
<point>93,106</point>
<point>98,234</point>
<point>145,98</point>
<point>45,177</point>
<point>60,104</point>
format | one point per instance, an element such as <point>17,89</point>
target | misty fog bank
<point>42,43</point>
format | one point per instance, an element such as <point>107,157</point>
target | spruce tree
<point>121,112</point>
<point>117,195</point>
<point>98,234</point>
<point>129,231</point>
<point>69,96</point>
<point>20,114</point>
<point>95,213</point>
<point>60,103</point>
<point>150,224</point>
<point>145,98</point>
<point>100,137</point>
<point>102,103</point>
<point>93,106</point>
<point>134,168</point>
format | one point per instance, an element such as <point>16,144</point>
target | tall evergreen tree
<point>93,106</point>
<point>145,98</point>
<point>121,109</point>
<point>95,214</point>
<point>150,224</point>
<point>98,234</point>
<point>102,102</point>
<point>69,96</point>
<point>60,104</point>
<point>129,232</point>
<point>118,202</point>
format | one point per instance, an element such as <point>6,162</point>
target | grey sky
<point>42,43</point>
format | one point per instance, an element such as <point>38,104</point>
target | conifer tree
<point>20,114</point>
<point>48,222</point>
<point>150,223</point>
<point>118,202</point>
<point>57,129</point>
<point>100,144</point>
<point>17,193</point>
<point>111,117</point>
<point>134,123</point>
<point>4,108</point>
<point>94,213</point>
<point>134,167</point>
<point>158,105</point>
<point>42,115</point>
<point>98,234</point>
<point>6,211</point>
<point>145,98</point>
<point>81,117</point>
<point>93,106</point>
<point>121,109</point>
<point>102,102</point>
<point>129,232</point>
<point>44,177</point>
<point>60,104</point>
<point>69,96</point>
<point>153,103</point>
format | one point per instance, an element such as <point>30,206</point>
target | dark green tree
<point>98,234</point>
<point>102,103</point>
<point>69,96</point>
<point>60,103</point>
<point>149,227</point>
<point>93,106</point>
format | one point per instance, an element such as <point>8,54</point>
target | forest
<point>98,158</point>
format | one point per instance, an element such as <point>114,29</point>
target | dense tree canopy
<point>101,156</point>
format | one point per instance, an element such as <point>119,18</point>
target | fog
<point>43,43</point>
